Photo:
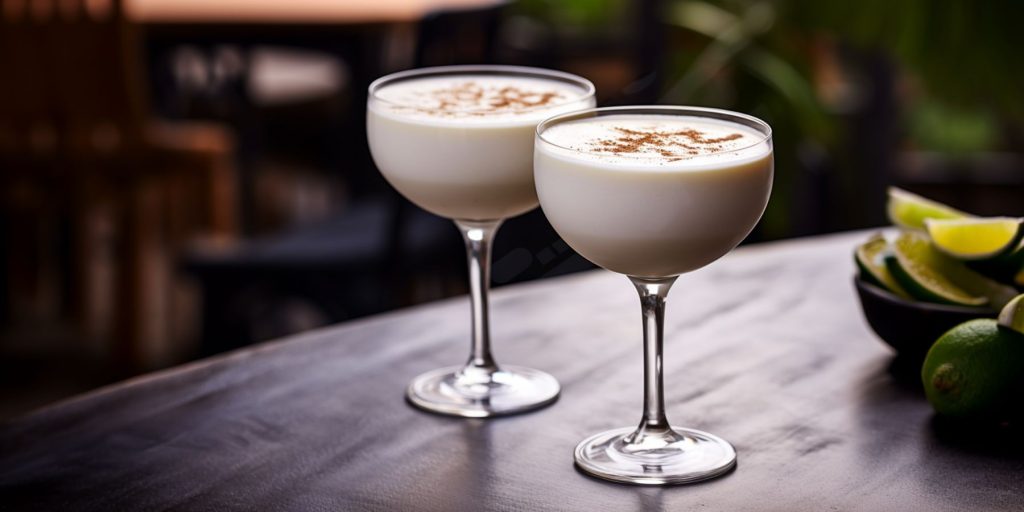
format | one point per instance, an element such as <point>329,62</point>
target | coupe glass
<point>476,168</point>
<point>653,222</point>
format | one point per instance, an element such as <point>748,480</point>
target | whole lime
<point>976,370</point>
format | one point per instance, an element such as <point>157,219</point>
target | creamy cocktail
<point>461,145</point>
<point>458,142</point>
<point>652,193</point>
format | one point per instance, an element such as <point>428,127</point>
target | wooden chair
<point>451,36</point>
<point>357,263</point>
<point>76,136</point>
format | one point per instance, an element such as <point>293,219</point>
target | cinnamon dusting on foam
<point>472,99</point>
<point>673,145</point>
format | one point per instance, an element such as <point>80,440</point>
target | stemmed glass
<point>652,196</point>
<point>458,142</point>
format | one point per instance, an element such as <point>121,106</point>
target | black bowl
<point>907,326</point>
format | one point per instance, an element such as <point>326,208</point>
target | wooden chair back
<point>73,77</point>
<point>446,37</point>
<point>458,36</point>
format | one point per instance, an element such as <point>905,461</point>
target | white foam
<point>477,99</point>
<point>618,140</point>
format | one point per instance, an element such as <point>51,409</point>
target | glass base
<point>478,393</point>
<point>679,456</point>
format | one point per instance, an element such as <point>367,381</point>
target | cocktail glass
<point>458,142</point>
<point>653,205</point>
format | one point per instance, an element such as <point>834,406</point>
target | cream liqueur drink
<point>458,142</point>
<point>461,146</point>
<point>653,195</point>
<point>653,192</point>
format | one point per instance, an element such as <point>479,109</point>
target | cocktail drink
<point>458,142</point>
<point>652,193</point>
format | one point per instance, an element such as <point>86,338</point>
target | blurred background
<point>183,177</point>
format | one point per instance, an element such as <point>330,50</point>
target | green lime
<point>974,238</point>
<point>911,210</point>
<point>974,370</point>
<point>870,258</point>
<point>1012,315</point>
<point>931,275</point>
<point>922,271</point>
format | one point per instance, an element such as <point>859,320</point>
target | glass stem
<point>652,301</point>
<point>478,236</point>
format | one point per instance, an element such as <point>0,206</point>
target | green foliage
<point>966,52</point>
<point>938,127</point>
<point>574,14</point>
<point>776,59</point>
<point>741,61</point>
<point>758,56</point>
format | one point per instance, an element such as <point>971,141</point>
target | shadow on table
<point>652,499</point>
<point>895,391</point>
<point>906,373</point>
<point>977,467</point>
<point>1003,440</point>
<point>899,433</point>
<point>479,481</point>
<point>891,385</point>
<point>649,499</point>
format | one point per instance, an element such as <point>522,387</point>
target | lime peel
<point>1012,315</point>
<point>870,258</point>
<point>923,272</point>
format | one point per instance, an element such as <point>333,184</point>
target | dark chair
<point>323,273</point>
<point>77,141</point>
<point>359,262</point>
<point>459,36</point>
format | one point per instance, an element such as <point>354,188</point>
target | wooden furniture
<point>371,37</point>
<point>76,136</point>
<point>363,259</point>
<point>270,12</point>
<point>766,348</point>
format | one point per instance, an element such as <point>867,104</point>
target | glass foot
<point>679,456</point>
<point>477,393</point>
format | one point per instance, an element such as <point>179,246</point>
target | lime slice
<point>870,258</point>
<point>911,210</point>
<point>922,271</point>
<point>974,238</point>
<point>1012,315</point>
<point>914,247</point>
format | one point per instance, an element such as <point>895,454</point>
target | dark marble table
<point>766,348</point>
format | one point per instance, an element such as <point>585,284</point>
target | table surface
<point>766,348</point>
<point>276,12</point>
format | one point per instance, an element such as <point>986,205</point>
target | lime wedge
<point>923,272</point>
<point>1012,315</point>
<point>914,248</point>
<point>870,258</point>
<point>975,238</point>
<point>911,210</point>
